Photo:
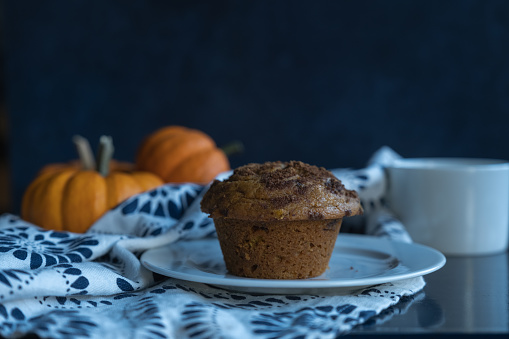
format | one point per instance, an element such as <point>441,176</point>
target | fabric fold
<point>61,284</point>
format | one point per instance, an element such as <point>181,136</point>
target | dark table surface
<point>468,296</point>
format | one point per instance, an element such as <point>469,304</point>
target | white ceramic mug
<point>459,206</point>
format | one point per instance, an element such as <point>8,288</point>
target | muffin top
<point>280,191</point>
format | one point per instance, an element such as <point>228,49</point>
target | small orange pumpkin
<point>179,154</point>
<point>73,196</point>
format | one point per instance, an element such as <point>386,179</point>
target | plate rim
<point>312,283</point>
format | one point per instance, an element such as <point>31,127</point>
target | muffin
<point>279,220</point>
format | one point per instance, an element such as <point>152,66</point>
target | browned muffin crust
<point>296,249</point>
<point>280,191</point>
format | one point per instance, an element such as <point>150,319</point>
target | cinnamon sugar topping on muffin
<point>281,191</point>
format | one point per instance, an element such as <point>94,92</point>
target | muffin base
<point>277,249</point>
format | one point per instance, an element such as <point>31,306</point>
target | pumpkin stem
<point>104,155</point>
<point>85,152</point>
<point>233,147</point>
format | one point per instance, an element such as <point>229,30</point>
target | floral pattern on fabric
<point>92,285</point>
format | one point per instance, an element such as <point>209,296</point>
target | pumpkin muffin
<point>279,220</point>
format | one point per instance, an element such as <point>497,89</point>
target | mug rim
<point>449,163</point>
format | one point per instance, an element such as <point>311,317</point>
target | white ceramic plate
<point>357,261</point>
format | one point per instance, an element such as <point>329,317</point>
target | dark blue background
<point>325,82</point>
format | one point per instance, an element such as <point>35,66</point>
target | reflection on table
<point>469,295</point>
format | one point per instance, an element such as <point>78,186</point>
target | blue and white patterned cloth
<point>92,285</point>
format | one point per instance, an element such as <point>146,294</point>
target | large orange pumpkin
<point>179,154</point>
<point>71,197</point>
